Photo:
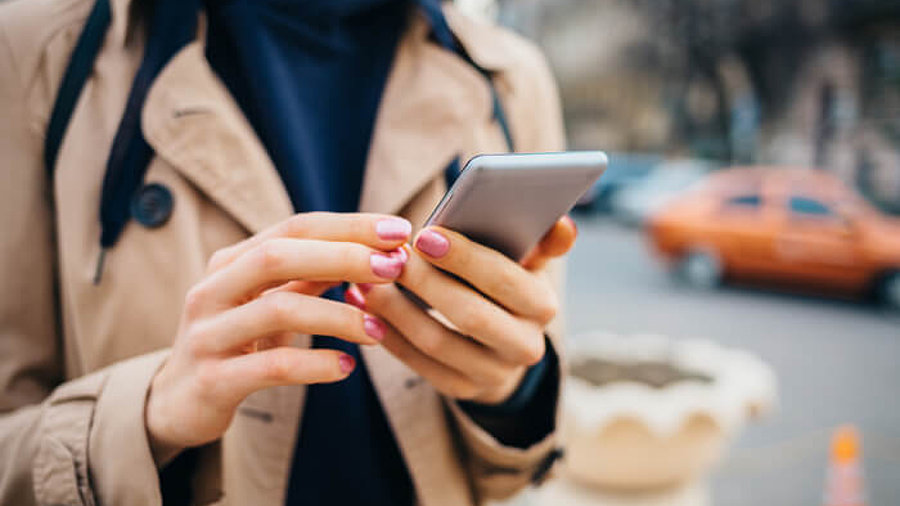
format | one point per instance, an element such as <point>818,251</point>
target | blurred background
<point>793,259</point>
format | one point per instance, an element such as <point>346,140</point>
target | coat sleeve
<point>78,442</point>
<point>531,101</point>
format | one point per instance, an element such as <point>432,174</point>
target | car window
<point>804,206</point>
<point>744,202</point>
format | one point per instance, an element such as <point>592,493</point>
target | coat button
<point>152,205</point>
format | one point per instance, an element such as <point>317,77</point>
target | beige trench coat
<point>76,359</point>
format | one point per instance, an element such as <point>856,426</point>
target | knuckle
<point>533,350</point>
<point>207,377</point>
<point>276,367</point>
<point>218,259</point>
<point>193,300</point>
<point>268,256</point>
<point>297,225</point>
<point>359,227</point>
<point>504,283</point>
<point>280,307</point>
<point>461,257</point>
<point>547,309</point>
<point>349,254</point>
<point>195,341</point>
<point>433,343</point>
<point>473,320</point>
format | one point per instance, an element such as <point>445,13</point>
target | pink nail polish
<point>400,254</point>
<point>346,363</point>
<point>385,266</point>
<point>364,287</point>
<point>374,327</point>
<point>433,244</point>
<point>393,229</point>
<point>353,297</point>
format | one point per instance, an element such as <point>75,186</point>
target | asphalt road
<point>837,362</point>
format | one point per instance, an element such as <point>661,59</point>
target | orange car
<point>794,226</point>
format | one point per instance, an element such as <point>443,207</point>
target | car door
<point>816,244</point>
<point>745,235</point>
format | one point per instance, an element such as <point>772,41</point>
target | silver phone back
<point>508,202</point>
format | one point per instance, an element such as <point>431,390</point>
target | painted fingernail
<point>385,266</point>
<point>400,254</point>
<point>354,297</point>
<point>393,229</point>
<point>433,244</point>
<point>346,363</point>
<point>364,287</point>
<point>375,328</point>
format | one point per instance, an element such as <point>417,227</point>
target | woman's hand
<point>479,346</point>
<point>239,320</point>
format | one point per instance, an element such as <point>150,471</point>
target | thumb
<point>555,243</point>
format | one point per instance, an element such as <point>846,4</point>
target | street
<point>837,362</point>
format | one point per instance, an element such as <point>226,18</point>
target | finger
<point>555,243</point>
<point>431,337</point>
<point>488,270</point>
<point>279,312</point>
<point>278,261</point>
<point>314,288</point>
<point>445,380</point>
<point>240,376</point>
<point>518,341</point>
<point>377,231</point>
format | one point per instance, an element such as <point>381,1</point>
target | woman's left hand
<point>479,346</point>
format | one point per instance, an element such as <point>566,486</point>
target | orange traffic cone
<point>844,484</point>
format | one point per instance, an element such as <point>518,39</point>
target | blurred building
<point>806,82</point>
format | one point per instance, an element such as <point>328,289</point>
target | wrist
<point>163,447</point>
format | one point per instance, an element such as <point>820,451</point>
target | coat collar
<point>432,98</point>
<point>192,122</point>
<point>431,102</point>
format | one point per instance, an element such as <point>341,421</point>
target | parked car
<point>794,226</point>
<point>624,169</point>
<point>636,202</point>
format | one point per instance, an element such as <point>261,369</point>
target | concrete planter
<point>648,412</point>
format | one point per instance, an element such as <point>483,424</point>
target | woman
<point>229,145</point>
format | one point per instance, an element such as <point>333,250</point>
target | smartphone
<point>508,202</point>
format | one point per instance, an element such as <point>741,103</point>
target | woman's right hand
<point>239,320</point>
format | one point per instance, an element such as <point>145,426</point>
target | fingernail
<point>400,254</point>
<point>433,244</point>
<point>385,266</point>
<point>353,297</point>
<point>347,363</point>
<point>393,229</point>
<point>374,327</point>
<point>364,287</point>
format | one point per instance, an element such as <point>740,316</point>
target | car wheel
<point>701,269</point>
<point>890,290</point>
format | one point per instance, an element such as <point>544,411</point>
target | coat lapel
<point>193,123</point>
<point>431,101</point>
